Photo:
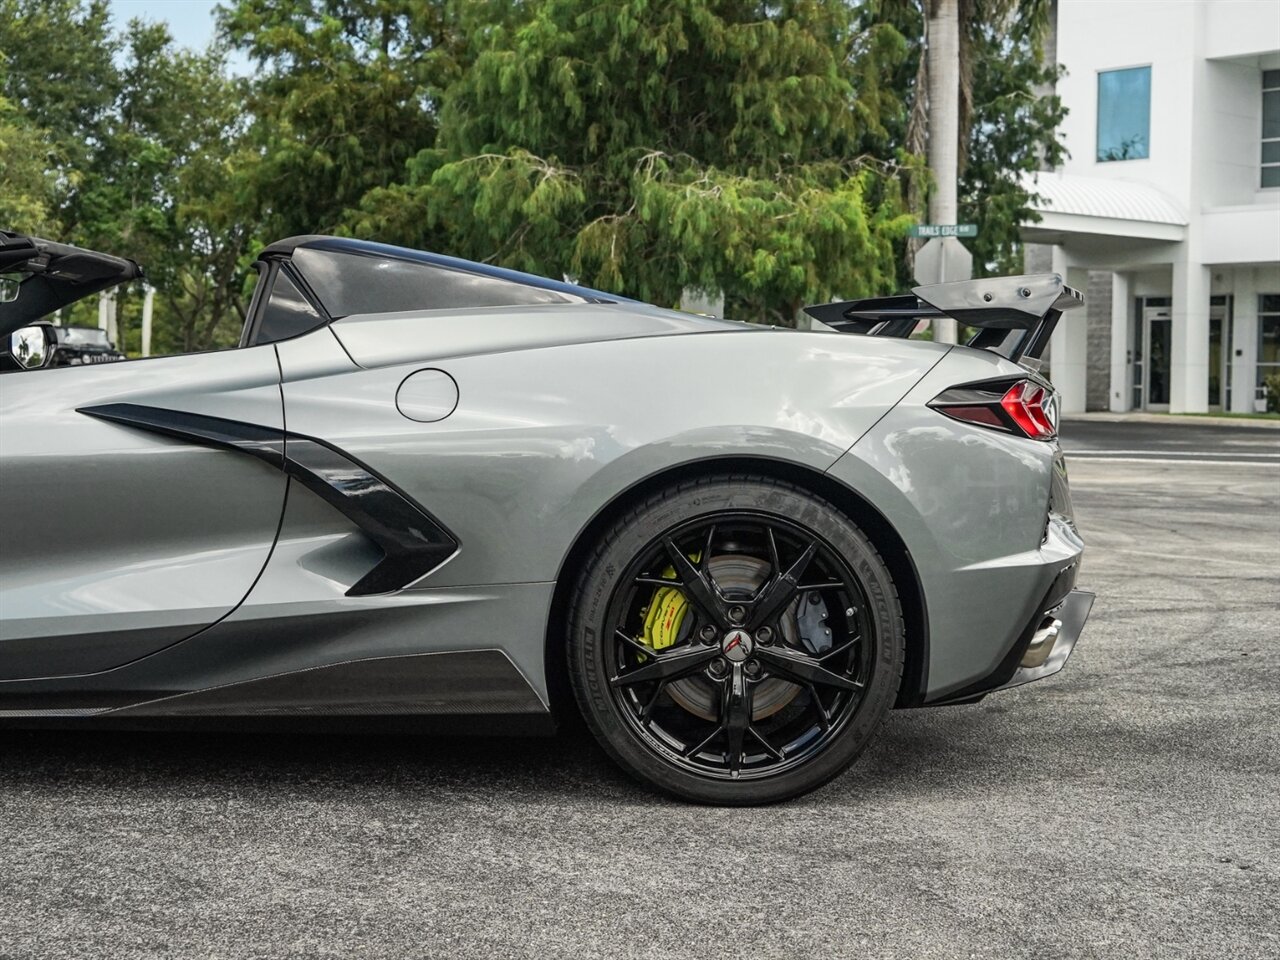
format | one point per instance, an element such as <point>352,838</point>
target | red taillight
<point>984,415</point>
<point>1026,403</point>
<point>1024,407</point>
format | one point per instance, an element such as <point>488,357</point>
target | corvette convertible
<point>426,492</point>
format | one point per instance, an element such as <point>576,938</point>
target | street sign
<point>942,260</point>
<point>944,230</point>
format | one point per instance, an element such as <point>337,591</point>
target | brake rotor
<point>737,575</point>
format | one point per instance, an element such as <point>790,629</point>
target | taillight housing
<point>1027,408</point>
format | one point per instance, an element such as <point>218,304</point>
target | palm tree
<point>938,123</point>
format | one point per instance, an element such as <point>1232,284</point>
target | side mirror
<point>9,289</point>
<point>32,347</point>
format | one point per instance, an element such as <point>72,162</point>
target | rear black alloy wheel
<point>735,640</point>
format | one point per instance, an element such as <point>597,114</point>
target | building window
<point>1271,128</point>
<point>1124,114</point>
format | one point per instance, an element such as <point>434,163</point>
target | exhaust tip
<point>1042,643</point>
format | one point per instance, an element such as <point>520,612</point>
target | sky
<point>190,21</point>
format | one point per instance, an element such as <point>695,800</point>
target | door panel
<point>119,541</point>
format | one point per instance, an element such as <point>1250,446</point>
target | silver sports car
<point>424,489</point>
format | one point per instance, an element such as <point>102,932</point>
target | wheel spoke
<point>824,585</point>
<point>769,748</point>
<point>668,666</point>
<point>636,645</point>
<point>801,669</point>
<point>779,591</point>
<point>735,716</point>
<point>836,651</point>
<point>657,581</point>
<point>696,587</point>
<point>702,744</point>
<point>653,700</point>
<point>824,718</point>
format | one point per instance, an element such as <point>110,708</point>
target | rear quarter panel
<point>544,437</point>
<point>971,505</point>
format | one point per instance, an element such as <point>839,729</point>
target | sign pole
<point>943,55</point>
<point>148,302</point>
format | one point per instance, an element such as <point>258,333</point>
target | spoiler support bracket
<point>1015,316</point>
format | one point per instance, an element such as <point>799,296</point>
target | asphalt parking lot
<point>1128,807</point>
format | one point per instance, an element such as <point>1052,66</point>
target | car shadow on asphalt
<point>561,766</point>
<point>269,755</point>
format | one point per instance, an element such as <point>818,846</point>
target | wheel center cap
<point>737,645</point>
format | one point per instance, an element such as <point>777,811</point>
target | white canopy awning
<point>1071,203</point>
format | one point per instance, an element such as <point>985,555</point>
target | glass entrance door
<point>1137,365</point>
<point>1157,336</point>
<point>1220,334</point>
<point>1159,346</point>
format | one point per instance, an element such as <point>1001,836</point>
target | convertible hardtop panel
<point>286,248</point>
<point>54,275</point>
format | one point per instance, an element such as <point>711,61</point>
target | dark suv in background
<point>78,345</point>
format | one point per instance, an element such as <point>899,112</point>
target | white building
<point>1168,207</point>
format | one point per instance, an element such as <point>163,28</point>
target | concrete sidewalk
<point>1191,420</point>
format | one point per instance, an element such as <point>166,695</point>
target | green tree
<point>134,146</point>
<point>346,95</point>
<point>57,70</point>
<point>1006,126</point>
<point>178,196</point>
<point>28,188</point>
<point>1011,131</point>
<point>647,147</point>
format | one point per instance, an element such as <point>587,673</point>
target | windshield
<point>83,336</point>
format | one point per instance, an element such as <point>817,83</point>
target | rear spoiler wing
<point>1015,316</point>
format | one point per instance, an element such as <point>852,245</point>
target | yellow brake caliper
<point>666,613</point>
